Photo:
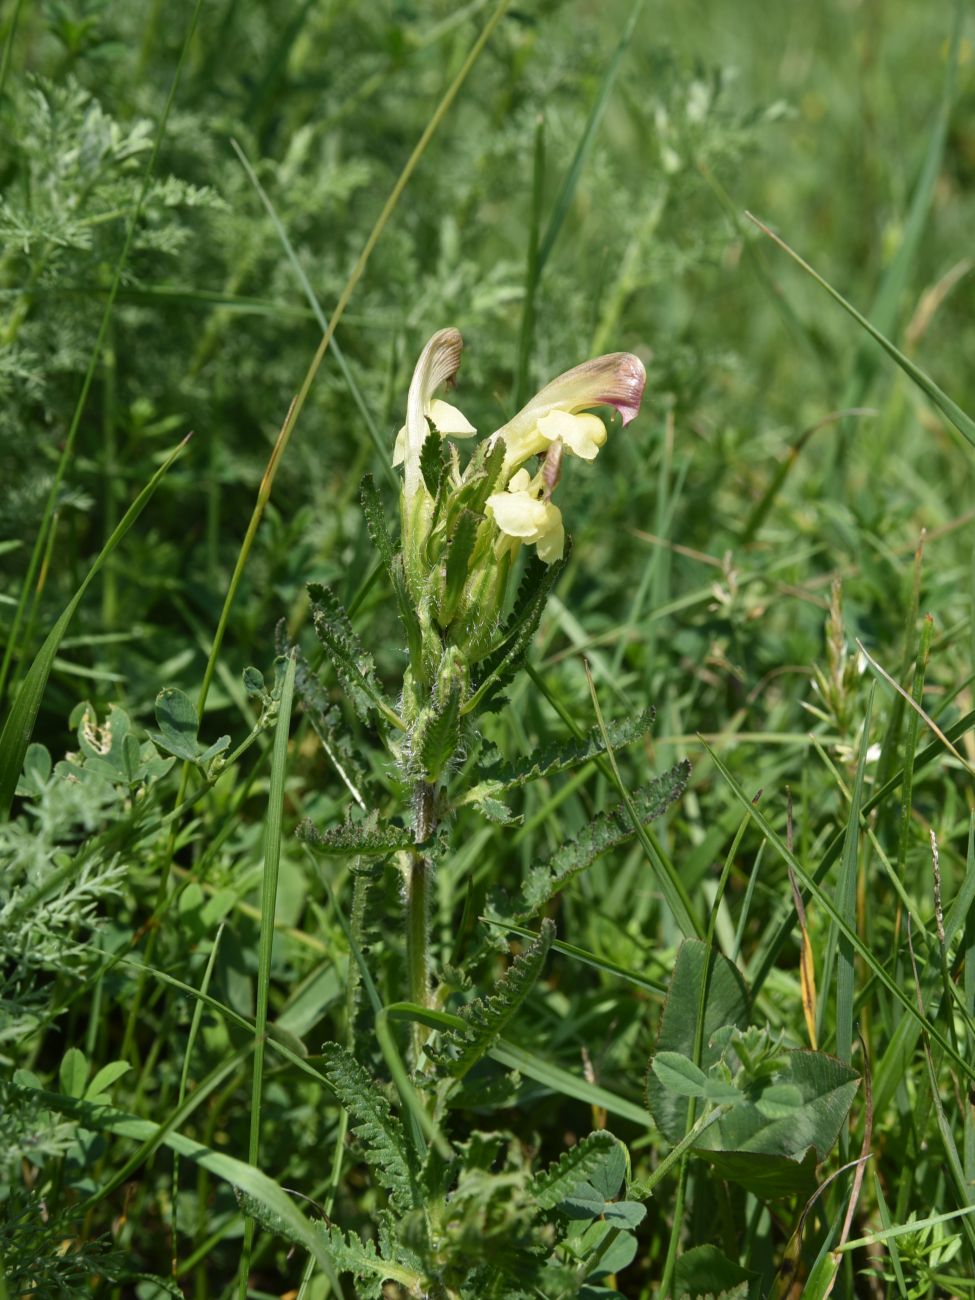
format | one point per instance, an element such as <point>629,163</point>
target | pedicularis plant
<point>462,528</point>
<point>465,1213</point>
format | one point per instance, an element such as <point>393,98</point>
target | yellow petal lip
<point>582,434</point>
<point>519,515</point>
<point>399,448</point>
<point>449,421</point>
<point>527,518</point>
<point>552,545</point>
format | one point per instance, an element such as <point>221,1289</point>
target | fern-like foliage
<point>360,1258</point>
<point>486,793</point>
<point>604,832</point>
<point>380,1133</point>
<point>486,1018</point>
<point>367,923</point>
<point>367,839</point>
<point>326,720</point>
<point>352,662</point>
<point>573,1167</point>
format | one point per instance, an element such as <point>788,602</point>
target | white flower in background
<point>525,515</point>
<point>439,362</point>
<point>616,379</point>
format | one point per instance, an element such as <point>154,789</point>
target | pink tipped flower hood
<point>616,379</point>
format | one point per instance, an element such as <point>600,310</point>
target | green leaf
<point>681,1076</point>
<point>486,1018</point>
<point>726,1004</point>
<point>73,1072</point>
<point>38,766</point>
<point>789,1105</point>
<point>573,1167</point>
<point>704,1272</point>
<point>495,810</point>
<point>592,1198</point>
<point>606,831</point>
<point>438,733</point>
<point>326,720</point>
<point>432,460</point>
<point>220,746</point>
<point>458,558</point>
<point>367,838</point>
<point>479,478</point>
<point>253,680</point>
<point>499,668</point>
<point>361,1259</point>
<point>773,1149</point>
<point>379,1132</point>
<point>352,663</point>
<point>562,757</point>
<point>104,1079</point>
<point>178,724</point>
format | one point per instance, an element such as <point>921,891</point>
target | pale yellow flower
<point>616,379</point>
<point>582,434</point>
<point>448,422</point>
<point>526,515</point>
<point>438,363</point>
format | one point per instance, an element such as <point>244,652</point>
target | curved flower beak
<point>616,379</point>
<point>439,362</point>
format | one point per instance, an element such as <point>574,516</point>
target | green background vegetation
<point>731,547</point>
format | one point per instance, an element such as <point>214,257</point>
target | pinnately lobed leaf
<point>498,669</point>
<point>573,1167</point>
<point>367,838</point>
<point>487,1017</point>
<point>557,758</point>
<point>604,832</point>
<point>352,663</point>
<point>373,1123</point>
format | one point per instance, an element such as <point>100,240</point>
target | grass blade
<point>269,891</point>
<point>564,200</point>
<point>19,724</point>
<point>539,252</point>
<point>884,309</point>
<point>846,903</point>
<point>951,410</point>
<point>356,392</point>
<point>671,885</point>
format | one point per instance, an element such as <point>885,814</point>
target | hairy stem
<point>419,876</point>
<point>418,939</point>
<point>417,929</point>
